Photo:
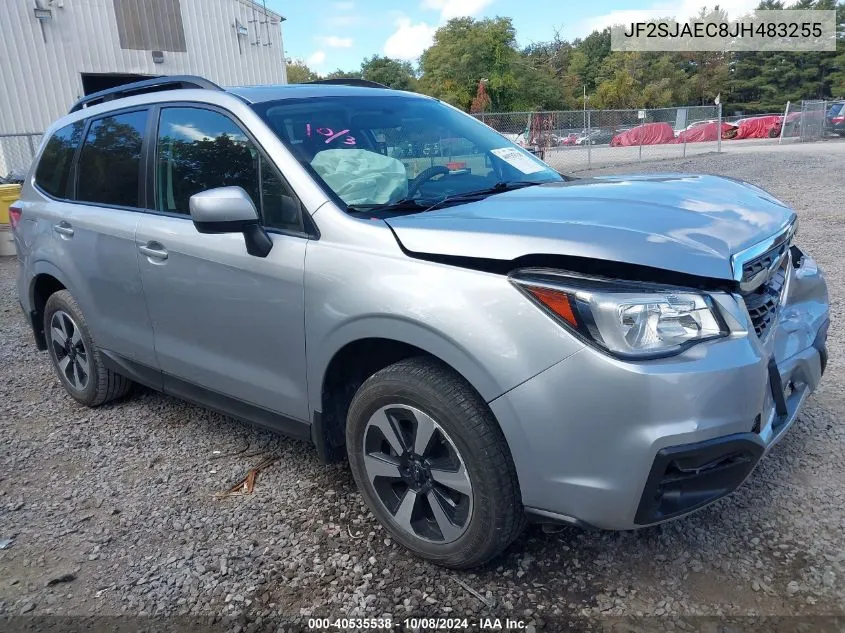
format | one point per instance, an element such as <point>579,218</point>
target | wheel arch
<point>46,280</point>
<point>356,354</point>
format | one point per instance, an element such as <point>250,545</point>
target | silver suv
<point>378,273</point>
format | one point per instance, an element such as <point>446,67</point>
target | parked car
<point>696,124</point>
<point>836,119</point>
<point>483,344</point>
<point>595,137</point>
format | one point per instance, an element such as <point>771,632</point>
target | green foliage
<point>553,75</point>
<point>390,72</point>
<point>344,74</point>
<point>464,52</point>
<point>299,73</point>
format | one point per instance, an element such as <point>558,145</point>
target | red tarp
<point>701,133</point>
<point>647,134</point>
<point>758,126</point>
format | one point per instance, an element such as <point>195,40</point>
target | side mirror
<point>230,210</point>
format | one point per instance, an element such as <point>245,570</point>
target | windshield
<point>378,151</point>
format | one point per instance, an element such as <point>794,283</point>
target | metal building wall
<point>41,62</point>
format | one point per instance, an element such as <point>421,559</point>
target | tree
<point>299,73</point>
<point>587,58</point>
<point>553,75</point>
<point>392,73</point>
<point>481,101</point>
<point>344,74</point>
<point>464,52</point>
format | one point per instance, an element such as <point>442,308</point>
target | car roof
<point>199,90</point>
<point>165,86</point>
<point>259,94</point>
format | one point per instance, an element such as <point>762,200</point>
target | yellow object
<point>8,194</point>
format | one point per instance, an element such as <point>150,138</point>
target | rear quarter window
<point>53,169</point>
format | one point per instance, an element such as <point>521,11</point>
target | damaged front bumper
<point>619,445</point>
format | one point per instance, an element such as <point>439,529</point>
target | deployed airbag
<point>360,176</point>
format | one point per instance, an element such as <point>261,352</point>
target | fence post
<point>719,131</point>
<point>802,130</point>
<point>822,132</point>
<point>642,125</point>
<point>589,139</point>
<point>31,147</point>
<point>783,123</point>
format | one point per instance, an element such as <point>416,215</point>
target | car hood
<point>690,224</point>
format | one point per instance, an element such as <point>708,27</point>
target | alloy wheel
<point>417,473</point>
<point>69,349</point>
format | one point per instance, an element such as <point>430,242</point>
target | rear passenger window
<point>200,149</point>
<point>53,169</point>
<point>110,161</point>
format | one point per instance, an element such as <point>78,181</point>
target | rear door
<point>92,220</point>
<point>224,320</point>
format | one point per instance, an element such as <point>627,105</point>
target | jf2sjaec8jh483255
<point>483,339</point>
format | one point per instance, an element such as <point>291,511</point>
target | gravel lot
<point>112,511</point>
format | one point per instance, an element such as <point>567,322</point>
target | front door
<point>223,320</point>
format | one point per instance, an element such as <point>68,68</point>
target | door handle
<point>153,250</point>
<point>63,228</point>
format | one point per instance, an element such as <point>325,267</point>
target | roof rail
<point>155,84</point>
<point>349,81</point>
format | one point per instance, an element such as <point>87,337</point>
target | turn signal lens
<point>556,301</point>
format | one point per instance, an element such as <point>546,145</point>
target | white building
<point>52,52</point>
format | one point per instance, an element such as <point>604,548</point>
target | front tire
<point>432,464</point>
<point>76,358</point>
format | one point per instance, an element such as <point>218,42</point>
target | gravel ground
<point>112,511</point>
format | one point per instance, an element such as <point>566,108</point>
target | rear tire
<point>75,356</point>
<point>432,464</point>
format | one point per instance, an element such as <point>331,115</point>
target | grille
<point>763,303</point>
<point>763,262</point>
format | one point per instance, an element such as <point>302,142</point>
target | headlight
<point>628,320</point>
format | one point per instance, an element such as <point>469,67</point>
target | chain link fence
<point>583,139</point>
<point>805,121</point>
<point>575,140</point>
<point>17,151</point>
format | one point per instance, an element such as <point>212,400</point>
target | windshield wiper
<point>405,204</point>
<point>499,187</point>
<point>417,205</point>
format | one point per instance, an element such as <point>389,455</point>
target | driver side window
<point>200,149</point>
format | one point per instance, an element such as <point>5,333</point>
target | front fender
<point>474,321</point>
<point>401,330</point>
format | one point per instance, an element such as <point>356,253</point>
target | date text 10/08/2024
<point>417,624</point>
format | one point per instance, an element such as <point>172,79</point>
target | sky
<point>331,34</point>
